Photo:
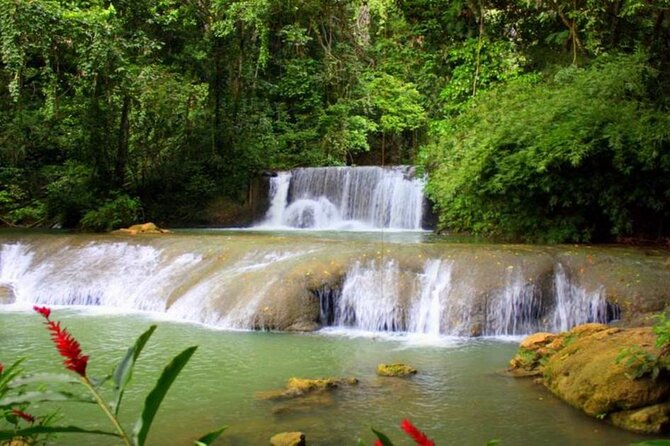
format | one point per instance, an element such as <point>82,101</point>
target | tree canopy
<point>536,120</point>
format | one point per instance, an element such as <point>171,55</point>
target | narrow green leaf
<point>10,372</point>
<point>386,441</point>
<point>155,397</point>
<point>209,438</point>
<point>40,378</point>
<point>35,430</point>
<point>38,397</point>
<point>652,443</point>
<point>124,371</point>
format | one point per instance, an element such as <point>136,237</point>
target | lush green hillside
<point>535,119</point>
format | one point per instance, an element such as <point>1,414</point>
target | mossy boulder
<point>396,370</point>
<point>297,387</point>
<point>288,439</point>
<point>581,367</point>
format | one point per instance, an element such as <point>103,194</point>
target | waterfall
<point>111,274</point>
<point>371,300</point>
<point>574,305</point>
<point>243,284</point>
<point>346,198</point>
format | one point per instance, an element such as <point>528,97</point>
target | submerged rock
<point>297,387</point>
<point>145,228</point>
<point>396,370</point>
<point>288,439</point>
<point>581,367</point>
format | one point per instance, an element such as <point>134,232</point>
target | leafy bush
<point>580,157</point>
<point>116,213</point>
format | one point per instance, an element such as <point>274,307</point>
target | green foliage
<point>559,160</point>
<point>177,103</point>
<point>639,362</point>
<point>155,397</point>
<point>113,214</point>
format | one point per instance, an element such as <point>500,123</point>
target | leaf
<point>652,443</point>
<point>36,397</point>
<point>40,378</point>
<point>155,397</point>
<point>124,371</point>
<point>383,438</point>
<point>35,430</point>
<point>209,438</point>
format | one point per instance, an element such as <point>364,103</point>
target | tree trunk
<point>122,150</point>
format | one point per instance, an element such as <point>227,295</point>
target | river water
<point>410,298</point>
<point>459,397</point>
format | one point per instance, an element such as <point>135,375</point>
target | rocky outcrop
<point>298,387</point>
<point>145,228</point>
<point>396,370</point>
<point>583,367</point>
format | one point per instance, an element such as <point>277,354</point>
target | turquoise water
<point>460,397</point>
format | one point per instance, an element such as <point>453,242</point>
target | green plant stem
<point>105,408</point>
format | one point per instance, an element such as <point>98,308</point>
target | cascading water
<point>346,198</point>
<point>516,309</point>
<point>241,284</point>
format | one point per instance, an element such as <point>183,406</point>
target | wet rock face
<point>581,367</point>
<point>6,295</point>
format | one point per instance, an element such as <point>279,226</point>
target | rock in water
<point>297,387</point>
<point>581,367</point>
<point>288,439</point>
<point>397,370</point>
<point>145,228</point>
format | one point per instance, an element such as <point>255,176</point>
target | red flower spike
<point>419,437</point>
<point>29,418</point>
<point>2,368</point>
<point>378,443</point>
<point>69,348</point>
<point>44,311</point>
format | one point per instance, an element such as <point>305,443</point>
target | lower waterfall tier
<point>247,281</point>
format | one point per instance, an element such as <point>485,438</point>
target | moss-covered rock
<point>288,439</point>
<point>581,367</point>
<point>297,387</point>
<point>648,420</point>
<point>145,228</point>
<point>396,370</point>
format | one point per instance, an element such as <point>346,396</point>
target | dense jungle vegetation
<point>535,119</point>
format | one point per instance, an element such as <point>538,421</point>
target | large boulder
<point>583,367</point>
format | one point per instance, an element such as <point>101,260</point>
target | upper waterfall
<point>351,198</point>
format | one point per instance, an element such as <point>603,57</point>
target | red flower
<point>69,348</point>
<point>29,418</point>
<point>378,443</point>
<point>2,368</point>
<point>44,311</point>
<point>419,437</point>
